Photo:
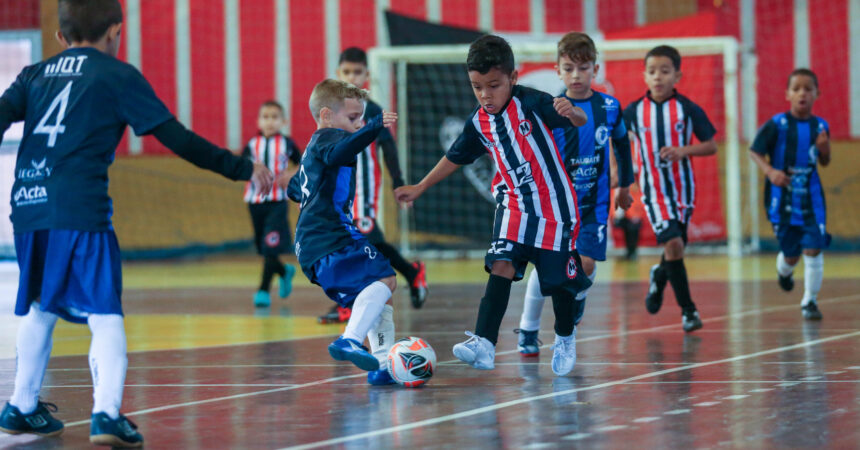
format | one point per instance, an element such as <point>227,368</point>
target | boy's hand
<point>283,179</point>
<point>672,153</point>
<point>778,177</point>
<point>262,177</point>
<point>822,140</point>
<point>405,195</point>
<point>565,108</point>
<point>623,199</point>
<point>389,119</point>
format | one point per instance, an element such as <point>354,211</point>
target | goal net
<point>429,88</point>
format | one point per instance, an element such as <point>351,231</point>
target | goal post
<point>390,81</point>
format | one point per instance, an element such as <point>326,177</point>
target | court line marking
<point>520,401</point>
<point>333,379</point>
<point>676,412</point>
<point>736,397</point>
<point>646,419</point>
<point>180,385</point>
<point>707,404</point>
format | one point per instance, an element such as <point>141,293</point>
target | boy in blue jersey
<point>75,107</point>
<point>587,160</point>
<point>787,149</point>
<point>536,216</point>
<point>331,250</point>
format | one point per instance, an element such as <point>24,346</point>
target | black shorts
<point>368,227</point>
<point>556,269</point>
<point>271,232</point>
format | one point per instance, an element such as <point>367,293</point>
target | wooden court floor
<point>206,370</point>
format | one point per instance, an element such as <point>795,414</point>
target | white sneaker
<point>477,352</point>
<point>564,354</point>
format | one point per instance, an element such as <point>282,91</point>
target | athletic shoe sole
<point>113,441</point>
<point>17,432</point>
<point>368,362</point>
<point>469,357</point>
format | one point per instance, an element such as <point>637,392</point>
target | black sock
<point>271,266</point>
<point>676,272</point>
<point>631,237</point>
<point>493,307</point>
<point>565,307</point>
<point>661,275</point>
<point>397,261</point>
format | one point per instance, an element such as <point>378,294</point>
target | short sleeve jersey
<point>276,152</point>
<point>789,144</point>
<point>536,204</point>
<point>75,107</point>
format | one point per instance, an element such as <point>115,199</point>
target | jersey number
<point>61,100</point>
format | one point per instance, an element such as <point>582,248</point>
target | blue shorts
<point>71,273</point>
<point>592,241</point>
<point>793,239</point>
<point>346,272</point>
<point>556,269</point>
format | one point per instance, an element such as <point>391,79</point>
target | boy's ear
<point>114,31</point>
<point>61,39</point>
<point>596,68</point>
<point>514,76</point>
<point>325,114</point>
<point>678,75</point>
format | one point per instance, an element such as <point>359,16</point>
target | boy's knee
<point>810,252</point>
<point>674,249</point>
<point>391,282</point>
<point>792,260</point>
<point>588,265</point>
<point>503,269</point>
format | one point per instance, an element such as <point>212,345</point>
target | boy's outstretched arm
<point>822,142</point>
<point>777,177</point>
<point>200,152</point>
<point>565,108</point>
<point>408,194</point>
<point>344,151</point>
<point>706,148</point>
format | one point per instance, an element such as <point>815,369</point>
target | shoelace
<point>474,339</point>
<point>562,345</point>
<point>127,425</point>
<point>536,339</point>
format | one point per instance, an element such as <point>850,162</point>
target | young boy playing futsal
<point>536,215</point>
<point>331,250</point>
<point>787,149</point>
<point>586,154</point>
<point>75,107</point>
<point>352,68</point>
<point>269,208</point>
<point>663,123</point>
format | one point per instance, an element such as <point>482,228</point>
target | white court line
<point>789,384</point>
<point>577,436</point>
<point>741,382</point>
<point>676,412</point>
<point>329,380</point>
<point>761,390</point>
<point>611,428</point>
<point>707,404</point>
<point>178,385</point>
<point>735,397</point>
<point>520,401</point>
<point>645,419</point>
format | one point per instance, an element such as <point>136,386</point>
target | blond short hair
<point>331,93</point>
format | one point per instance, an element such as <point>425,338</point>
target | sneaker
<point>285,287</point>
<point>691,321</point>
<point>656,284</point>
<point>119,432</point>
<point>811,311</point>
<point>477,352</point>
<point>337,314</point>
<point>786,282</point>
<point>261,299</point>
<point>343,349</point>
<point>380,377</point>
<point>39,422</point>
<point>564,354</point>
<point>418,287</point>
<point>529,344</point>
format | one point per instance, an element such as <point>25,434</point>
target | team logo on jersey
<point>273,239</point>
<point>521,175</point>
<point>609,104</point>
<point>38,170</point>
<point>525,127</point>
<point>601,135</point>
<point>30,196</point>
<point>365,225</point>
<point>679,126</point>
<point>783,123</point>
<point>571,268</point>
<point>813,155</point>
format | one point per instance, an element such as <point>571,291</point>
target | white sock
<point>108,362</point>
<point>532,304</point>
<point>581,296</point>
<point>34,349</point>
<point>381,335</point>
<point>812,276</point>
<point>782,267</point>
<point>365,310</point>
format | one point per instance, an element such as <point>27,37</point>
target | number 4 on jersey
<point>61,100</point>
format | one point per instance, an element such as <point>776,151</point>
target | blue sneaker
<point>286,284</point>
<point>261,299</point>
<point>39,422</point>
<point>119,432</point>
<point>344,349</point>
<point>380,377</point>
<point>529,344</point>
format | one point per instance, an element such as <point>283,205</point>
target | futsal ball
<point>411,361</point>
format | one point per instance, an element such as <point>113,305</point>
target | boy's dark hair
<point>667,51</point>
<point>578,47</point>
<point>353,55</point>
<point>272,104</point>
<point>805,72</point>
<point>490,51</point>
<point>87,20</point>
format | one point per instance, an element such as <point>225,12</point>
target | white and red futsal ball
<point>411,361</point>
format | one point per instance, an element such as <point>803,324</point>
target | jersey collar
<point>674,94</point>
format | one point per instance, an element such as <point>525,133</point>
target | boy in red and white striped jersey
<point>269,208</point>
<point>536,214</point>
<point>663,123</point>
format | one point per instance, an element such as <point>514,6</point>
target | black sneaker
<point>786,282</point>
<point>119,432</point>
<point>529,344</point>
<point>337,314</point>
<point>656,283</point>
<point>39,422</point>
<point>418,286</point>
<point>811,311</point>
<point>690,320</point>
